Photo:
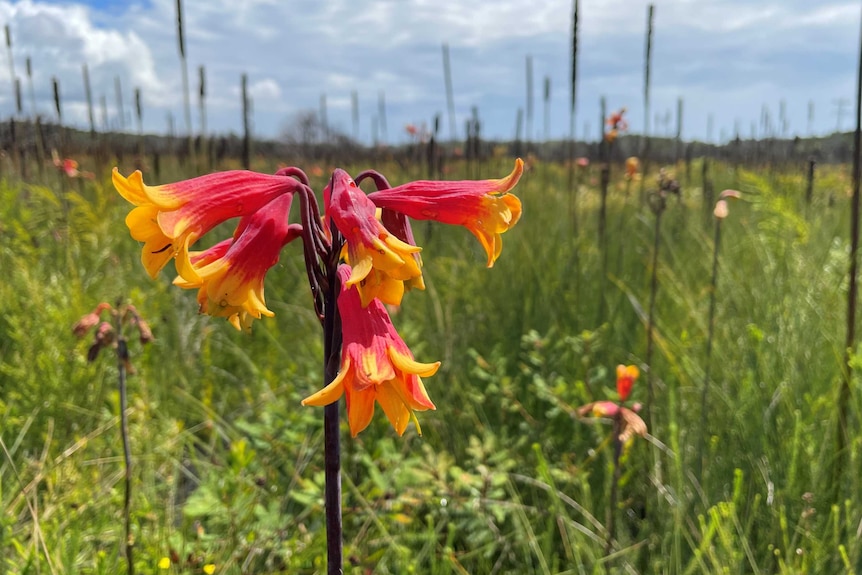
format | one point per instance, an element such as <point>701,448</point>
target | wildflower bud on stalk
<point>104,337</point>
<point>626,376</point>
<point>90,320</point>
<point>721,210</point>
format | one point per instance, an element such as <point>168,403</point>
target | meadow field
<point>227,470</point>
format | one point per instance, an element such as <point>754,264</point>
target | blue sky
<point>728,59</point>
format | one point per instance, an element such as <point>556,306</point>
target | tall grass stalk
<point>60,144</point>
<point>139,115</point>
<point>122,361</point>
<point>809,182</point>
<point>36,125</point>
<point>450,98</point>
<point>246,123</point>
<point>546,131</point>
<point>354,113</point>
<point>528,132</point>
<point>610,522</point>
<point>381,114</point>
<point>13,81</point>
<point>720,212</point>
<point>644,150</point>
<point>706,184</point>
<point>604,183</point>
<point>121,114</point>
<point>88,93</point>
<point>677,148</point>
<point>184,66</point>
<point>202,112</point>
<point>843,434</point>
<point>573,85</point>
<point>659,203</point>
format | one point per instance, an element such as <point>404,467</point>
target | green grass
<point>228,465</point>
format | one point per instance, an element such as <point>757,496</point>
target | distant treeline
<point>25,141</point>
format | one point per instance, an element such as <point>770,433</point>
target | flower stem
<point>650,317</point>
<point>331,439</point>
<point>122,360</point>
<point>615,482</point>
<point>332,497</point>
<point>704,397</point>
<point>842,458</point>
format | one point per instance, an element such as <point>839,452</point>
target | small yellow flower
<point>165,563</point>
<point>209,569</point>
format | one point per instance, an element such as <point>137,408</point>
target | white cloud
<point>756,51</point>
<point>265,90</point>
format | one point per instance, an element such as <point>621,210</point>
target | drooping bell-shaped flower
<point>376,366</point>
<point>229,276</point>
<point>485,207</point>
<point>369,245</point>
<point>171,217</point>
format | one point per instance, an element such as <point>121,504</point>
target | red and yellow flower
<point>485,207</point>
<point>626,376</point>
<point>171,217</point>
<point>369,245</point>
<point>368,238</point>
<point>376,366</point>
<point>229,276</point>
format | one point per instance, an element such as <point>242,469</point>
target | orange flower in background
<point>632,167</point>
<point>626,376</point>
<point>229,276</point>
<point>171,217</point>
<point>484,207</point>
<point>376,366</point>
<point>370,246</point>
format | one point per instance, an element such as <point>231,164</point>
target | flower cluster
<point>360,250</point>
<point>104,335</point>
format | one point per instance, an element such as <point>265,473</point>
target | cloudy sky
<point>731,60</point>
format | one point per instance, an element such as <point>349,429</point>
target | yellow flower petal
<point>393,406</point>
<point>333,391</point>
